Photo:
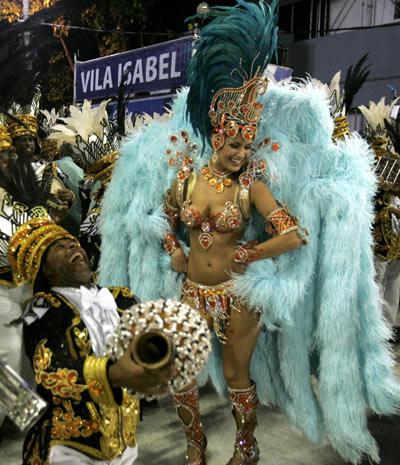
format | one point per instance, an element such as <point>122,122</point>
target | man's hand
<point>126,373</point>
<point>65,196</point>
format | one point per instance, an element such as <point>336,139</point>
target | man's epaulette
<point>123,297</point>
<point>44,299</point>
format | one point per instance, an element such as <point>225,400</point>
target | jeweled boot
<point>244,406</point>
<point>188,402</point>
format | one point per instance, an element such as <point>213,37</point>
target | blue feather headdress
<point>225,74</point>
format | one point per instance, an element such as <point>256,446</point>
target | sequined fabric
<point>245,403</point>
<point>189,402</point>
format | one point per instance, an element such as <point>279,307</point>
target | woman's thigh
<point>242,334</point>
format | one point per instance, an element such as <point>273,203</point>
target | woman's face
<point>233,155</point>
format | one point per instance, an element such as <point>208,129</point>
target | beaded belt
<point>216,301</point>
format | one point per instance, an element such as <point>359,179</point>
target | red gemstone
<point>245,180</point>
<point>275,147</point>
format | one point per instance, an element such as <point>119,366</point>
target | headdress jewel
<point>226,72</point>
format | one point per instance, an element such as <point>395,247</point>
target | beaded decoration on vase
<point>164,332</point>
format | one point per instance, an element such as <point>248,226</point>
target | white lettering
<point>85,81</point>
<point>138,72</point>
<point>107,81</point>
<point>151,69</point>
<point>98,86</point>
<point>91,80</point>
<point>164,66</point>
<point>174,72</point>
<point>126,73</point>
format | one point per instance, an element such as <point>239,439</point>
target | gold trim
<point>103,163</point>
<point>124,291</point>
<point>5,283</point>
<point>95,374</point>
<point>341,129</point>
<point>66,424</point>
<point>95,453</point>
<point>61,383</point>
<point>244,203</point>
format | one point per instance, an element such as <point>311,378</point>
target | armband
<point>171,243</point>
<point>283,223</point>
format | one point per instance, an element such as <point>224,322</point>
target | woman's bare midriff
<point>212,266</point>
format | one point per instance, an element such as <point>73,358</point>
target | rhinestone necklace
<point>216,179</point>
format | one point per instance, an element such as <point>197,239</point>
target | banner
<point>149,105</point>
<point>149,69</point>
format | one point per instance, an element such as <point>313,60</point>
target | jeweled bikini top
<point>227,220</point>
<point>231,218</point>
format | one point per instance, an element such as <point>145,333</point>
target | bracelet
<point>244,255</point>
<point>171,243</point>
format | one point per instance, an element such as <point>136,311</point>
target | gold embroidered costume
<point>85,412</point>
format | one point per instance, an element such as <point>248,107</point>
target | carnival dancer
<point>89,418</point>
<point>60,155</point>
<point>381,132</point>
<point>23,127</point>
<point>94,142</point>
<point>318,305</point>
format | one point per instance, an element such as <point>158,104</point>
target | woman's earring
<point>214,158</point>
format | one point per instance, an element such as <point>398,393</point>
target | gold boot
<point>244,406</point>
<point>188,402</point>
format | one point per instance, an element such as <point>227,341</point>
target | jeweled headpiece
<point>226,72</point>
<point>237,110</point>
<point>25,122</point>
<point>28,245</point>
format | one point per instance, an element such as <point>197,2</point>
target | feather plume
<point>83,122</point>
<point>23,185</point>
<point>355,78</point>
<point>375,115</point>
<point>237,45</point>
<point>31,108</point>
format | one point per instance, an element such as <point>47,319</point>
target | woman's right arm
<point>171,243</point>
